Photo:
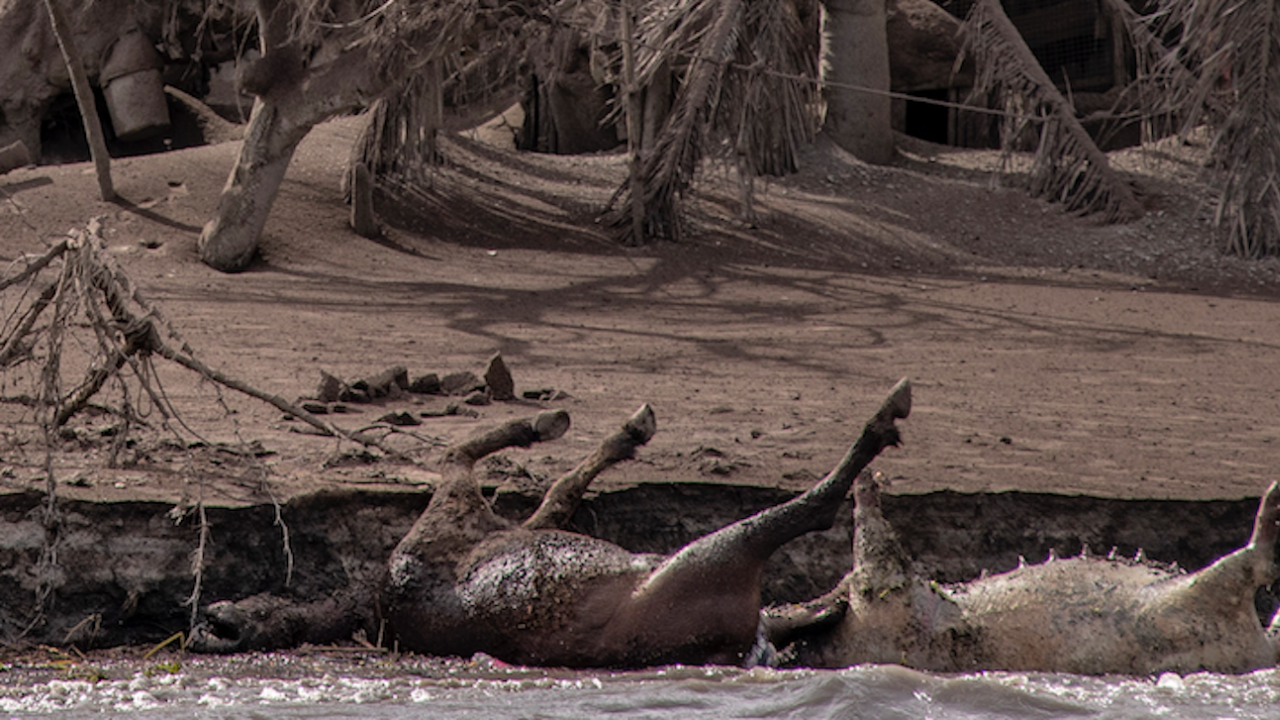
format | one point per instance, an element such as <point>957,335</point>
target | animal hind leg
<point>879,565</point>
<point>562,498</point>
<point>718,575</point>
<point>513,433</point>
<point>759,535</point>
<point>458,493</point>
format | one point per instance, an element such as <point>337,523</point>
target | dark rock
<point>354,395</point>
<point>428,384</point>
<point>388,383</point>
<point>498,379</point>
<point>460,383</point>
<point>479,397</point>
<point>315,408</point>
<point>400,419</point>
<point>450,410</point>
<point>330,388</point>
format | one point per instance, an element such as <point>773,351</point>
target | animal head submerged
<point>1086,614</point>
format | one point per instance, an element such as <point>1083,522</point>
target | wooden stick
<point>11,348</point>
<point>163,350</point>
<point>84,99</point>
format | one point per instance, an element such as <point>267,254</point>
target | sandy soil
<point>1048,352</point>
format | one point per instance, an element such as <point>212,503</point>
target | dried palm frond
<point>668,168</point>
<point>737,94</point>
<point>1224,70</point>
<point>1158,74</point>
<point>767,113</point>
<point>399,137</point>
<point>464,51</point>
<point>1068,166</point>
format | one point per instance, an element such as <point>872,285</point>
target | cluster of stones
<point>335,396</point>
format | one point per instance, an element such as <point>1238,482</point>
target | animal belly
<point>549,601</point>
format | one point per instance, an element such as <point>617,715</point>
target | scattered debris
<point>349,458</point>
<point>389,383</point>
<point>450,410</point>
<point>330,388</point>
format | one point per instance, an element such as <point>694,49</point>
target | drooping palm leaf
<point>738,94</point>
<point>1068,166</point>
<point>767,114</point>
<point>1224,70</point>
<point>669,167</point>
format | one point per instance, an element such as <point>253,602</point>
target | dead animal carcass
<point>1088,614</point>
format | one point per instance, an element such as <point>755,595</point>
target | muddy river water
<point>323,686</point>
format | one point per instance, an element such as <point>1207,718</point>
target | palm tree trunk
<point>856,55</point>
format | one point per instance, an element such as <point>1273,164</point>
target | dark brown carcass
<point>464,580</point>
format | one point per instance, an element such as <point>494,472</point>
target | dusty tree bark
<point>229,241</point>
<point>84,99</point>
<point>856,53</point>
<point>363,219</point>
<point>291,99</point>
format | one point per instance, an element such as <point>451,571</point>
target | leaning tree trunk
<point>229,241</point>
<point>856,57</point>
<point>292,98</point>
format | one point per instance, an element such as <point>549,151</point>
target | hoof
<point>866,490</point>
<point>642,425</point>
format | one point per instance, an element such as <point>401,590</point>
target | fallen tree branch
<point>13,347</point>
<point>36,266</point>
<point>164,351</point>
<point>141,337</point>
